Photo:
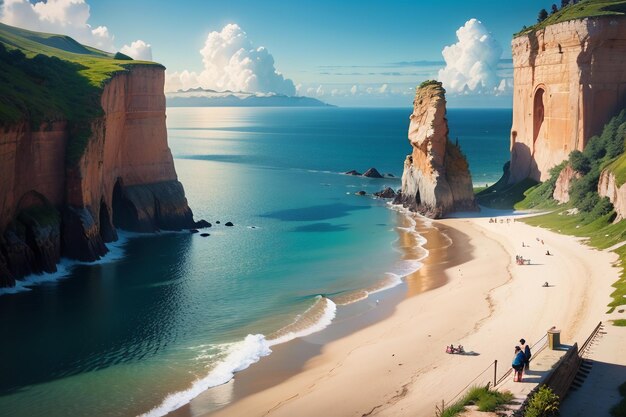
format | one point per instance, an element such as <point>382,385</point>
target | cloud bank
<point>138,50</point>
<point>67,17</point>
<point>231,62</point>
<point>472,62</point>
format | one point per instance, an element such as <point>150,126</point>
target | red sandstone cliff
<point>125,178</point>
<point>436,178</point>
<point>569,80</point>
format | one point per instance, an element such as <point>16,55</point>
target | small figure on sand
<point>518,364</point>
<point>545,284</point>
<point>523,245</point>
<point>548,253</point>
<point>526,349</point>
<point>452,349</point>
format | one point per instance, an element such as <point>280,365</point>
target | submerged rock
<point>353,172</point>
<point>360,193</point>
<point>229,224</point>
<point>436,178</point>
<point>205,234</point>
<point>372,173</point>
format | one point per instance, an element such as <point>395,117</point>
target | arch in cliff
<point>538,112</point>
<point>31,199</point>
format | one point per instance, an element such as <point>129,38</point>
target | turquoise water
<point>167,316</point>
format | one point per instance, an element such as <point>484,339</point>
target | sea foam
<point>65,266</point>
<point>243,354</point>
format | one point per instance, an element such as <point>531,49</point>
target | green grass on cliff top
<point>581,10</point>
<point>96,66</point>
<point>46,78</point>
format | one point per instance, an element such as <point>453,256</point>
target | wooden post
<point>495,372</point>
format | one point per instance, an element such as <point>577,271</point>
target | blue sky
<point>329,43</point>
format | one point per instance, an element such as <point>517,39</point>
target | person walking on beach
<point>526,349</point>
<point>518,364</point>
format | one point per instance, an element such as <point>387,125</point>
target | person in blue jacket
<point>518,364</point>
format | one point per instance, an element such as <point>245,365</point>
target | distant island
<point>200,97</point>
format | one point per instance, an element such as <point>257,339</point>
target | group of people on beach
<point>494,220</point>
<point>519,259</point>
<point>521,360</point>
<point>452,349</point>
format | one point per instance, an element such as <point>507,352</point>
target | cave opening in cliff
<point>538,114</point>
<point>107,231</point>
<point>122,208</point>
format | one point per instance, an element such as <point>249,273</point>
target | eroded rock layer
<point>125,179</point>
<point>569,80</point>
<point>436,178</point>
<point>608,186</point>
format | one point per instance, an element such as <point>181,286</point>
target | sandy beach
<point>397,365</point>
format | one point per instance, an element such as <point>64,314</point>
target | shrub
<point>544,403</point>
<point>579,162</point>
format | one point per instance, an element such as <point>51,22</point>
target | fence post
<point>495,372</point>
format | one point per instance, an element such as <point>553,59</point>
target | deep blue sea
<point>164,317</point>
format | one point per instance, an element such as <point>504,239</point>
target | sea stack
<point>436,179</point>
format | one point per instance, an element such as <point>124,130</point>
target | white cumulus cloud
<point>67,17</point>
<point>231,62</point>
<point>138,50</point>
<point>471,63</point>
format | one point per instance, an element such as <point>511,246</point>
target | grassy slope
<point>585,8</point>
<point>46,77</point>
<point>618,167</point>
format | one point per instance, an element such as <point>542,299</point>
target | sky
<point>344,52</point>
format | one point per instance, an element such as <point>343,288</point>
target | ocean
<point>165,316</point>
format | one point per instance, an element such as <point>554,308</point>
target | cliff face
<point>569,80</point>
<point>608,187</point>
<point>436,178</point>
<point>125,178</point>
<point>563,182</point>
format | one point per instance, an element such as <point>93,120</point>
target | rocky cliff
<point>125,178</point>
<point>563,182</point>
<point>608,186</point>
<point>436,178</point>
<point>569,80</point>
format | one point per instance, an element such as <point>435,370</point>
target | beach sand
<point>392,362</point>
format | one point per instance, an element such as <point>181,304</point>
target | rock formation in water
<point>436,178</point>
<point>51,206</point>
<point>569,80</point>
<point>372,173</point>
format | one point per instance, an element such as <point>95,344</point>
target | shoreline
<point>395,365</point>
<point>288,359</point>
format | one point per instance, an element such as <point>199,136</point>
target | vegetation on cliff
<point>46,78</point>
<point>579,10</point>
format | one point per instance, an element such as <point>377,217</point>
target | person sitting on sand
<point>460,349</point>
<point>548,253</point>
<point>450,349</point>
<point>518,364</point>
<point>545,284</point>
